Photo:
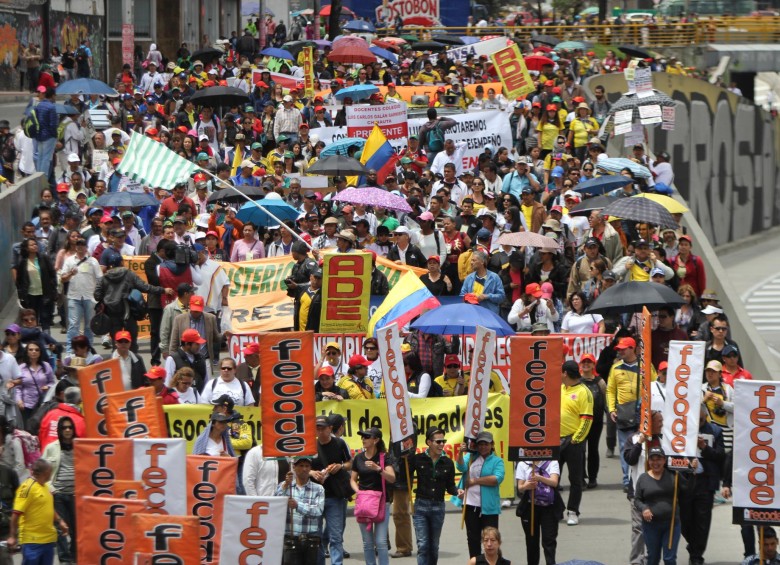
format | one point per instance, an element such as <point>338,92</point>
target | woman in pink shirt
<point>248,248</point>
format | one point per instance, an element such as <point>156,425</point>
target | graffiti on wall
<point>68,29</point>
<point>17,30</point>
<point>723,152</point>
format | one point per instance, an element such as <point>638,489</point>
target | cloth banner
<point>99,464</point>
<point>169,539</point>
<point>391,119</point>
<point>756,475</point>
<point>535,431</point>
<point>479,382</point>
<point>681,407</point>
<point>308,72</point>
<point>645,365</point>
<point>287,401</point>
<point>135,413</point>
<point>105,533</point>
<point>209,480</point>
<point>511,69</point>
<point>396,393</point>
<point>96,381</point>
<point>153,164</point>
<point>346,290</point>
<point>160,464</point>
<point>252,529</point>
<point>133,490</point>
<point>187,421</point>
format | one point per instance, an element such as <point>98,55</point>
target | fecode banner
<point>681,407</point>
<point>756,475</point>
<point>396,393</point>
<point>169,539</point>
<point>209,480</point>
<point>135,413</point>
<point>391,119</point>
<point>128,489</point>
<point>99,464</point>
<point>512,71</point>
<point>105,533</point>
<point>479,383</point>
<point>645,364</point>
<point>96,381</point>
<point>287,401</point>
<point>346,290</point>
<point>160,465</point>
<point>476,50</point>
<point>535,433</point>
<point>252,529</point>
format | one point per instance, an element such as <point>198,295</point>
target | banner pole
<point>533,504</point>
<point>674,506</point>
<point>465,493</point>
<point>409,483</point>
<point>760,544</point>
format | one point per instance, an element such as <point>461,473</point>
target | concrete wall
<point>16,205</point>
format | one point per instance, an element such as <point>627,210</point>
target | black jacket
<point>414,257</point>
<point>315,309</point>
<point>379,284</point>
<point>115,286</point>
<point>137,372</point>
<point>48,278</point>
<point>153,301</point>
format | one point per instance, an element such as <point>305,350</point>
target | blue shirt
<point>514,184</point>
<point>47,120</point>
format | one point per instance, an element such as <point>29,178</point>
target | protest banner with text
<point>646,368</point>
<point>346,290</point>
<point>252,529</point>
<point>209,481</point>
<point>168,539</point>
<point>160,464</point>
<point>511,69</point>
<point>135,413</point>
<point>683,400</point>
<point>105,533</point>
<point>479,382</point>
<point>96,381</point>
<point>99,463</point>
<point>396,394</point>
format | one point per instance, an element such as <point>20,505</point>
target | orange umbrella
<point>344,10</point>
<point>351,50</point>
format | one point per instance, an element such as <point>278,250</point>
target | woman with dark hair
<point>688,315</point>
<point>60,455</point>
<point>592,287</point>
<point>418,382</point>
<point>248,248</point>
<point>577,321</point>
<point>318,147</point>
<point>36,282</point>
<point>512,218</point>
<point>37,377</point>
<point>11,453</point>
<point>550,126</point>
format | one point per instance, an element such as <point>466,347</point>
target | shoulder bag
<point>628,412</point>
<point>370,504</point>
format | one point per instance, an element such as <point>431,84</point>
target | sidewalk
<point>13,96</point>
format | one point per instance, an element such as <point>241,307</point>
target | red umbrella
<point>326,11</point>
<point>536,62</point>
<point>386,45</point>
<point>351,50</point>
<point>542,48</point>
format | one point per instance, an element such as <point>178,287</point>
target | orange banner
<point>96,381</point>
<point>135,414</point>
<point>168,538</point>
<point>106,534</point>
<point>133,490</point>
<point>429,90</point>
<point>535,431</point>
<point>511,69</point>
<point>346,291</point>
<point>287,402</point>
<point>100,463</point>
<point>209,479</point>
<point>646,366</point>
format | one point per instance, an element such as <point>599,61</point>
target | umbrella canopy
<point>429,46</point>
<point>631,101</point>
<point>383,53</point>
<point>585,207</point>
<point>536,62</point>
<point>206,55</point>
<point>219,96</point>
<point>357,92</point>
<point>337,166</point>
<point>325,11</point>
<point>258,212</point>
<point>371,196</point>
<point>630,297</point>
<point>351,50</point>
<point>546,40</point>
<point>671,205</point>
<point>458,319</point>
<point>85,86</point>
<point>571,45</point>
<point>641,210</point>
<point>617,164</point>
<point>600,185</point>
<point>230,196</point>
<point>526,239</point>
<point>360,26</point>
<point>66,110</point>
<point>448,39</point>
<point>278,53</point>
<point>132,199</point>
<point>394,40</point>
<point>634,51</point>
<point>386,45</point>
<point>322,43</point>
<point>341,146</point>
<point>469,39</point>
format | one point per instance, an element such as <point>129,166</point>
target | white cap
<point>401,229</point>
<point>572,194</point>
<point>710,309</point>
<point>203,137</point>
<point>74,158</point>
<point>287,98</point>
<point>199,235</point>
<point>202,220</point>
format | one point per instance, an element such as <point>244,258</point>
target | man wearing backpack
<point>83,59</point>
<point>44,133</point>
<point>431,133</point>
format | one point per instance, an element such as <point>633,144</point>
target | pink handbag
<point>370,504</point>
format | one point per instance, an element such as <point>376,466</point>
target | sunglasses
<point>367,348</point>
<point>226,368</point>
<point>587,170</point>
<point>453,366</point>
<point>123,341</point>
<point>719,328</point>
<point>440,441</point>
<point>67,427</point>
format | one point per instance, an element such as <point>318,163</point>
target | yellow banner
<point>308,71</point>
<point>346,292</point>
<point>512,71</point>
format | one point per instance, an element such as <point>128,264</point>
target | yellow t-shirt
<point>640,271</point>
<point>303,312</point>
<point>448,386</point>
<point>576,404</point>
<point>528,212</point>
<point>547,135</point>
<point>36,505</point>
<point>580,129</point>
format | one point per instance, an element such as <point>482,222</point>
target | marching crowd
<point>71,275</point>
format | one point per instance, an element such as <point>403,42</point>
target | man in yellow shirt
<point>453,382</point>
<point>428,75</point>
<point>33,518</point>
<point>576,419</point>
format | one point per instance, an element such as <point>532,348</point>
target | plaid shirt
<point>311,502</point>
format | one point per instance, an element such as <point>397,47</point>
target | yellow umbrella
<point>670,204</point>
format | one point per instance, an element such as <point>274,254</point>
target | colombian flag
<point>408,299</point>
<point>379,154</point>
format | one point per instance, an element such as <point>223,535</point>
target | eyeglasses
<point>227,368</point>
<point>332,353</point>
<point>453,366</point>
<point>369,348</point>
<point>440,441</point>
<point>719,328</point>
<point>587,170</point>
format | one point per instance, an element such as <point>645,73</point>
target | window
<point>142,18</point>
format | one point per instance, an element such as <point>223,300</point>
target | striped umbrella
<point>151,163</point>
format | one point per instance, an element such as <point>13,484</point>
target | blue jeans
<point>44,153</point>
<point>656,534</point>
<point>334,515</point>
<point>623,436</point>
<point>375,535</point>
<point>80,310</point>
<point>38,553</point>
<point>428,522</point>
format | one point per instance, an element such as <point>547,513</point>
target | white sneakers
<point>572,519</point>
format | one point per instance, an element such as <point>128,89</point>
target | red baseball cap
<point>123,334</point>
<point>663,365</point>
<point>626,343</point>
<point>157,372</point>
<point>192,336</point>
<point>549,83</point>
<point>197,303</point>
<point>357,360</point>
<point>550,107</point>
<point>251,348</point>
<point>451,359</point>
<point>212,232</point>
<point>534,290</point>
<point>588,357</point>
<point>326,370</point>
<point>63,187</point>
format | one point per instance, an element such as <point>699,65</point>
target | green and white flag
<point>151,163</point>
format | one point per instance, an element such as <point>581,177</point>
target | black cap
<point>639,242</point>
<point>571,369</point>
<point>309,194</point>
<point>371,432</point>
<point>336,421</point>
<point>184,288</point>
<point>655,451</point>
<point>217,417</point>
<point>322,421</point>
<point>300,248</point>
<point>609,275</point>
<point>226,401</point>
<point>591,241</point>
<point>432,432</point>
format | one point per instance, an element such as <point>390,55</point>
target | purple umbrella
<point>370,196</point>
<point>321,43</point>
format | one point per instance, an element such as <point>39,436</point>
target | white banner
<point>394,379</point>
<point>487,48</point>
<point>756,475</point>
<point>253,529</point>
<point>479,385</point>
<point>391,119</point>
<point>161,465</point>
<point>683,402</point>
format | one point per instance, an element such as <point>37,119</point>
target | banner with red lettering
<point>391,119</point>
<point>287,403</point>
<point>105,534</point>
<point>396,394</point>
<point>346,291</point>
<point>535,430</point>
<point>252,529</point>
<point>511,69</point>
<point>646,368</point>
<point>99,464</point>
<point>756,475</point>
<point>308,71</point>
<point>209,480</point>
<point>169,539</point>
<point>135,413</point>
<point>160,464</point>
<point>479,382</point>
<point>96,381</point>
<point>681,407</point>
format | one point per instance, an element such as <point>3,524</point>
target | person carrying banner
<point>305,503</point>
<point>541,478</point>
<point>598,389</point>
<point>215,439</point>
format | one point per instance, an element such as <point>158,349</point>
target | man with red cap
<point>249,370</point>
<point>187,355</point>
<point>205,324</point>
<point>453,382</point>
<point>356,381</point>
<point>598,390</point>
<point>132,365</point>
<point>155,378</point>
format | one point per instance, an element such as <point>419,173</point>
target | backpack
<point>81,54</point>
<point>138,308</point>
<point>9,151</point>
<point>30,125</point>
<point>31,447</point>
<point>61,131</point>
<point>464,264</point>
<point>435,138</point>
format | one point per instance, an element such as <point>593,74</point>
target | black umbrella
<point>341,166</point>
<point>429,46</point>
<point>206,55</point>
<point>641,210</point>
<point>447,39</point>
<point>131,199</point>
<point>230,196</point>
<point>630,297</point>
<point>585,207</point>
<point>634,51</point>
<point>550,40</point>
<point>220,96</point>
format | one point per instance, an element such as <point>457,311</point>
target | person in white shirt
<point>9,368</point>
<point>227,383</point>
<point>453,153</point>
<point>456,187</point>
<point>260,475</point>
<point>182,383</point>
<point>81,271</point>
<point>214,282</point>
<point>662,169</point>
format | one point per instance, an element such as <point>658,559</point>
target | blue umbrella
<point>469,39</point>
<point>276,52</point>
<point>85,86</point>
<point>259,213</point>
<point>341,146</point>
<point>383,53</point>
<point>458,319</point>
<point>600,185</point>
<point>66,110</point>
<point>132,199</point>
<point>361,26</point>
<point>617,164</point>
<point>357,92</point>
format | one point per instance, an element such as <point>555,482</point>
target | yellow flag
<point>237,159</point>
